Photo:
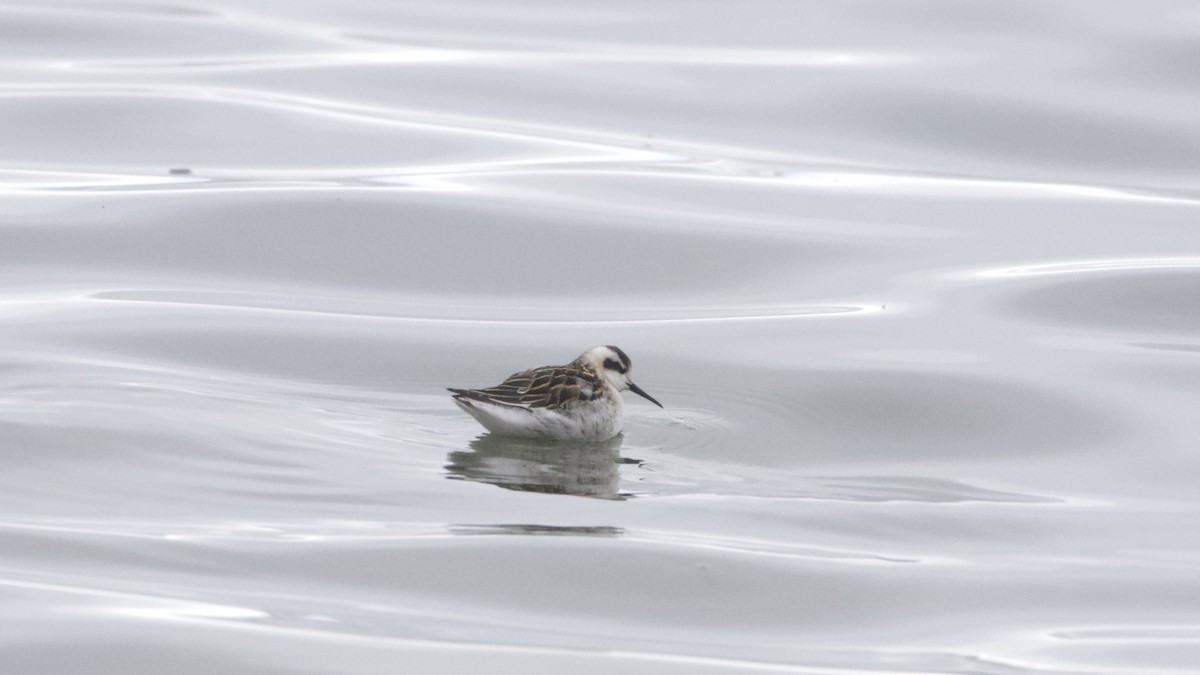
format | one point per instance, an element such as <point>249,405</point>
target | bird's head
<point>614,365</point>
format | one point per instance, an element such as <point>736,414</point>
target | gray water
<point>918,283</point>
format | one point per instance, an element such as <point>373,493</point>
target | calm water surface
<point>918,282</point>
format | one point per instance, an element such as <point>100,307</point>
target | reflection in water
<point>585,469</point>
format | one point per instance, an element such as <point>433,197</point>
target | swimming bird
<point>581,400</point>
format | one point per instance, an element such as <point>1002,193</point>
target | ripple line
<point>1086,266</point>
<point>735,314</point>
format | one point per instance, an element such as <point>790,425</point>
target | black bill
<point>638,390</point>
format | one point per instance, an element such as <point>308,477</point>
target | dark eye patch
<point>620,355</point>
<point>612,364</point>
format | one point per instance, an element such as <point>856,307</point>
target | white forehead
<point>603,352</point>
<point>598,355</point>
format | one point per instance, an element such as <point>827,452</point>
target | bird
<point>580,400</point>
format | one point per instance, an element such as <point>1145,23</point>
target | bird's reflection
<point>584,469</point>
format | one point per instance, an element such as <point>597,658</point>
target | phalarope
<point>579,400</point>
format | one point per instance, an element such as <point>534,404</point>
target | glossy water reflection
<point>917,281</point>
<point>568,468</point>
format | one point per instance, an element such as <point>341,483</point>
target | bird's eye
<point>610,364</point>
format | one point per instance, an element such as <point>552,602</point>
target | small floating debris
<point>180,171</point>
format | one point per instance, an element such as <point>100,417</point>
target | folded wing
<point>548,387</point>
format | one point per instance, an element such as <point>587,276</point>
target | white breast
<point>594,420</point>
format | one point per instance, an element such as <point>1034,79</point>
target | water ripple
<point>447,311</point>
<point>1090,266</point>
